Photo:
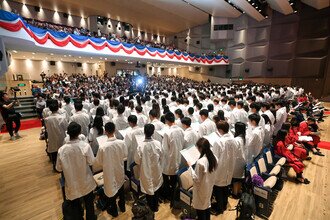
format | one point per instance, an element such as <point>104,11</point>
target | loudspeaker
<point>162,69</point>
<point>150,68</point>
<point>113,64</point>
<point>197,68</point>
<point>155,36</point>
<point>142,32</point>
<point>143,65</point>
<point>109,26</point>
<point>1,55</point>
<point>198,42</point>
<point>210,18</point>
<point>185,40</point>
<point>52,63</point>
<point>211,69</point>
<point>65,15</point>
<point>270,69</point>
<point>79,64</point>
<point>37,8</point>
<point>175,37</point>
<point>247,70</point>
<point>126,27</point>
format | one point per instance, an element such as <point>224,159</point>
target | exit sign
<point>21,84</point>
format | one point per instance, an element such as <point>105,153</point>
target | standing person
<point>224,150</point>
<point>111,156</point>
<point>95,132</point>
<point>68,107</point>
<point>173,142</point>
<point>141,118</point>
<point>40,105</point>
<point>74,159</point>
<point>207,126</point>
<point>81,117</point>
<point>56,126</point>
<point>203,179</point>
<point>240,155</point>
<point>281,116</point>
<point>120,120</point>
<point>9,115</point>
<point>153,116</point>
<point>190,136</point>
<point>149,155</point>
<point>255,137</point>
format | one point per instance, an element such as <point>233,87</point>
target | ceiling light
<point>64,55</point>
<point>106,58</point>
<point>91,58</point>
<point>75,60</point>
<point>32,57</point>
<point>79,57</point>
<point>51,54</point>
<point>33,53</point>
<point>295,11</point>
<point>14,51</point>
<point>117,60</point>
<point>69,55</point>
<point>125,60</point>
<point>101,58</point>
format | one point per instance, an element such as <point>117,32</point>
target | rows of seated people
<point>229,125</point>
<point>111,36</point>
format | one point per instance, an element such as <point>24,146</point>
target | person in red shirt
<point>305,129</point>
<point>282,150</point>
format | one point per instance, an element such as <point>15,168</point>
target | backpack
<point>246,207</point>
<point>141,211</point>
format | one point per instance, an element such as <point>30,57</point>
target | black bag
<point>72,211</point>
<point>141,211</point>
<point>246,207</point>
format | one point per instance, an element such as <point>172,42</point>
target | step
<point>26,102</point>
<point>25,98</point>
<point>29,115</point>
<point>26,110</point>
<point>25,106</point>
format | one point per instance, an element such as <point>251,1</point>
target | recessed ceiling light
<point>101,58</point>
<point>117,60</point>
<point>106,58</point>
<point>75,60</point>
<point>91,58</point>
<point>33,53</point>
<point>14,51</point>
<point>24,56</point>
<point>125,60</point>
<point>79,57</point>
<point>51,54</point>
<point>69,55</point>
<point>64,55</point>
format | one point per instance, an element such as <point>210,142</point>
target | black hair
<point>78,106</point>
<point>256,106</point>
<point>98,124</point>
<point>204,112</point>
<point>132,119</point>
<point>110,127</point>
<point>179,112</point>
<point>170,117</point>
<point>255,117</point>
<point>266,118</point>
<point>186,121</point>
<point>240,130</point>
<point>74,129</point>
<point>153,113</point>
<point>232,102</point>
<point>205,148</point>
<point>223,125</point>
<point>281,134</point>
<point>53,107</point>
<point>120,109</point>
<point>210,107</point>
<point>67,99</point>
<point>240,103</point>
<point>149,130</point>
<point>138,109</point>
<point>96,102</point>
<point>221,115</point>
<point>99,111</point>
<point>190,110</point>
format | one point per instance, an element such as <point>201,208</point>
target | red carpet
<point>324,145</point>
<point>27,124</point>
<point>327,112</point>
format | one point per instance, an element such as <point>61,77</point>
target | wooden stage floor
<point>30,190</point>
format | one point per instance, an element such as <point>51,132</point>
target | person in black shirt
<point>9,115</point>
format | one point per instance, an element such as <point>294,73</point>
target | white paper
<point>190,154</point>
<point>212,138</point>
<point>101,140</point>
<point>305,138</point>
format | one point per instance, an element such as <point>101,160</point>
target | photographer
<point>10,115</point>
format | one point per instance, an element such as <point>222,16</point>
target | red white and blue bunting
<point>14,23</point>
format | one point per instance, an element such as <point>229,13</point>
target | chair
<point>266,194</point>
<point>135,179</point>
<point>273,159</point>
<point>186,187</point>
<point>268,169</point>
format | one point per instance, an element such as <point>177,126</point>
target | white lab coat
<point>240,155</point>
<point>141,120</point>
<point>158,124</point>
<point>74,159</point>
<point>270,116</point>
<point>206,128</point>
<point>203,182</point>
<point>190,137</point>
<point>120,122</point>
<point>56,126</point>
<point>68,108</point>
<point>224,150</point>
<point>83,120</point>
<point>111,156</point>
<point>173,142</point>
<point>131,143</point>
<point>281,116</point>
<point>238,115</point>
<point>93,134</point>
<point>149,156</point>
<point>254,140</point>
<point>269,130</point>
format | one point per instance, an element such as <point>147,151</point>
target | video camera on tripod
<point>15,90</point>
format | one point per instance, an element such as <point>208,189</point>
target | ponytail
<point>205,147</point>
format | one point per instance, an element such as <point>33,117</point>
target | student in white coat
<point>203,179</point>
<point>240,155</point>
<point>269,130</point>
<point>149,155</point>
<point>238,114</point>
<point>56,126</point>
<point>81,117</point>
<point>224,150</point>
<point>120,120</point>
<point>281,115</point>
<point>154,120</point>
<point>130,140</point>
<point>255,109</point>
<point>255,137</point>
<point>95,132</point>
<point>74,159</point>
<point>173,142</point>
<point>141,118</point>
<point>207,126</point>
<point>265,108</point>
<point>68,107</point>
<point>190,135</point>
<point>111,156</point>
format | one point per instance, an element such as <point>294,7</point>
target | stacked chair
<point>185,189</point>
